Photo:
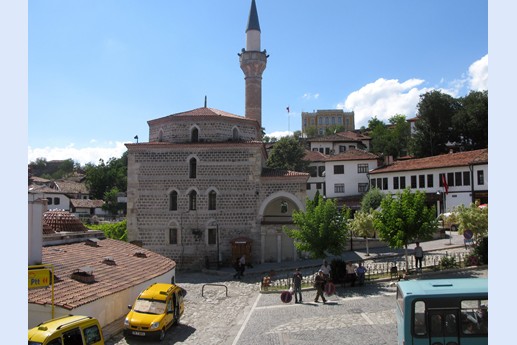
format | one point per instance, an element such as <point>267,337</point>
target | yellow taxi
<point>70,329</point>
<point>155,310</point>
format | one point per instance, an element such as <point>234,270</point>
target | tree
<point>404,218</point>
<point>473,218</point>
<point>434,126</point>
<point>103,177</point>
<point>363,225</point>
<point>470,122</point>
<point>372,200</point>
<point>392,139</point>
<point>287,153</point>
<point>321,229</point>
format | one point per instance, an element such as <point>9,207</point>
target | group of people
<point>322,277</point>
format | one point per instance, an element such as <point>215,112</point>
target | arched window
<point>193,168</point>
<point>212,199</point>
<point>192,199</point>
<point>235,134</point>
<point>160,135</point>
<point>194,135</point>
<point>173,201</point>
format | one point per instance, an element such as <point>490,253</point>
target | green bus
<point>442,311</point>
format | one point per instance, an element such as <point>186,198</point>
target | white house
<point>449,180</point>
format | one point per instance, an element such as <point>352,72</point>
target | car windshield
<point>149,306</point>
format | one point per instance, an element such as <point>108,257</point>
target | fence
<point>376,268</point>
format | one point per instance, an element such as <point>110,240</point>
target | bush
<point>448,262</point>
<point>473,260</point>
<point>481,250</point>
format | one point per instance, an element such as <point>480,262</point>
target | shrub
<point>473,260</point>
<point>448,262</point>
<point>481,250</point>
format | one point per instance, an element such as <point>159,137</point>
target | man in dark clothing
<point>297,284</point>
<point>319,283</point>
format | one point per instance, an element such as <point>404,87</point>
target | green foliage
<point>404,218</point>
<point>51,170</point>
<point>363,224</point>
<point>321,229</point>
<point>470,122</point>
<point>372,200</point>
<point>104,177</point>
<point>434,125</point>
<point>116,231</point>
<point>472,218</point>
<point>481,249</point>
<point>111,201</point>
<point>390,140</point>
<point>287,154</point>
<point>448,262</point>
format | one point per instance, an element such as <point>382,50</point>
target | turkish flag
<point>444,181</point>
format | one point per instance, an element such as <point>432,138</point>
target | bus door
<point>444,326</point>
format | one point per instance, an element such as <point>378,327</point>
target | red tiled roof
<point>314,156</point>
<point>63,221</point>
<point>128,270</point>
<point>87,203</point>
<point>352,155</point>
<point>201,112</point>
<point>441,161</point>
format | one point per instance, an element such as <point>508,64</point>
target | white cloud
<point>79,155</point>
<point>478,74</point>
<point>383,99</point>
<point>309,96</point>
<point>279,134</point>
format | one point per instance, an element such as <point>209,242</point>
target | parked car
<point>449,220</point>
<point>155,310</point>
<point>69,329</point>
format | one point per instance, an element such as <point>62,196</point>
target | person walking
<point>419,255</point>
<point>297,283</point>
<point>319,284</point>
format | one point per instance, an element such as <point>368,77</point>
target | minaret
<point>253,63</point>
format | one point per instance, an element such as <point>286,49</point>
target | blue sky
<point>99,70</point>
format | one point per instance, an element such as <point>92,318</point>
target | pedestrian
<point>325,268</point>
<point>350,273</point>
<point>419,255</point>
<point>297,283</point>
<point>319,283</point>
<point>239,266</point>
<point>360,271</point>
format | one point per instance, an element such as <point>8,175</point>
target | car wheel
<point>454,228</point>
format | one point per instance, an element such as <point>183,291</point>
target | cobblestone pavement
<point>359,315</point>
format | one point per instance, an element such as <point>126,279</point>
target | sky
<point>99,70</point>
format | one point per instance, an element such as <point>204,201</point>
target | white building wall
<point>457,195</point>
<point>351,178</point>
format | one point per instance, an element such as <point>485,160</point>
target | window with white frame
<point>362,168</point>
<point>339,188</point>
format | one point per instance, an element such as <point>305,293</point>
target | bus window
<point>451,325</point>
<point>419,322</point>
<point>474,316</point>
<point>436,326</point>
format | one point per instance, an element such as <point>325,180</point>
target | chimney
<point>37,207</point>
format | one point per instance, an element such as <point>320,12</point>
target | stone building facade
<point>199,190</point>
